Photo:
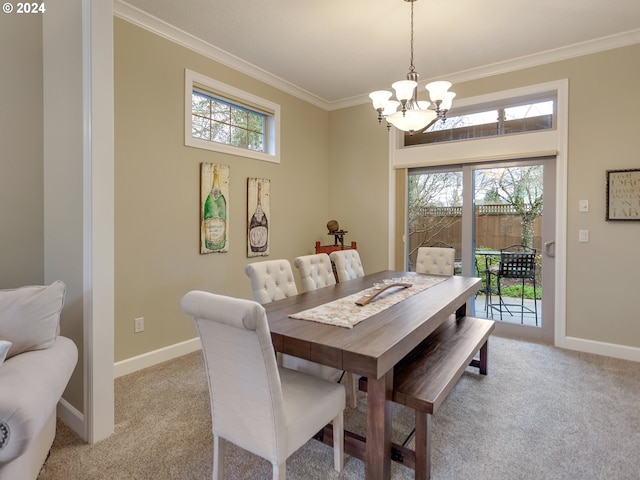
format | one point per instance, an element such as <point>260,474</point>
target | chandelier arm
<point>430,123</point>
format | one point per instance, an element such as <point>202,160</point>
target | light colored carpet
<point>541,413</point>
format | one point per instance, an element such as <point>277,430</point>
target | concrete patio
<point>528,318</point>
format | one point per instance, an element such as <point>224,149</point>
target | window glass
<point>511,118</point>
<point>219,121</point>
<point>225,119</point>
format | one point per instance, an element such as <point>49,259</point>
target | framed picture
<point>258,217</point>
<point>623,195</point>
<point>214,208</point>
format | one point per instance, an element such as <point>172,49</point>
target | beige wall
<point>157,222</point>
<point>21,151</point>
<point>359,182</point>
<point>602,281</point>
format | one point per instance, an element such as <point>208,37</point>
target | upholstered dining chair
<point>435,260</point>
<point>268,410</point>
<point>348,264</point>
<point>273,280</point>
<point>315,271</point>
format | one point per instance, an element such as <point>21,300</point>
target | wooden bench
<point>424,378</point>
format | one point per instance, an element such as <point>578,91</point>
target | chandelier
<point>414,115</point>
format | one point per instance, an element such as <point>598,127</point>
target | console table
<point>332,248</point>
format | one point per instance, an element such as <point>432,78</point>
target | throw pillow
<point>30,316</point>
<point>4,349</point>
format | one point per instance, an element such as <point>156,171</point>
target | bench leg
<point>484,358</point>
<point>423,446</point>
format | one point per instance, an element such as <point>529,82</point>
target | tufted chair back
<point>315,271</point>
<point>271,280</point>
<point>348,264</point>
<point>435,260</point>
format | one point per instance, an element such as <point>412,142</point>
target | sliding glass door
<point>488,213</point>
<point>434,216</point>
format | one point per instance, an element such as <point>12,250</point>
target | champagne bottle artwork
<point>215,227</point>
<point>258,221</point>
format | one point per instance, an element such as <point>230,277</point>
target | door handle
<point>550,248</point>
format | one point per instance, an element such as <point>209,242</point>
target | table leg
<point>378,447</point>
<point>487,294</point>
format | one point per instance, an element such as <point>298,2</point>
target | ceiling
<point>336,51</point>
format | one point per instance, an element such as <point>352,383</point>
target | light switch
<point>583,205</point>
<point>583,236</point>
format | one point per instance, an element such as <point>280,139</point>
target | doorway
<point>479,210</point>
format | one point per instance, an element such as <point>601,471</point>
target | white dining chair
<point>348,264</point>
<point>315,271</point>
<point>268,410</point>
<point>273,280</point>
<point>435,260</point>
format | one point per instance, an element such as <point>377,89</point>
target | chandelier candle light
<point>414,115</point>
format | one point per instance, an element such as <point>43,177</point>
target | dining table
<point>372,347</point>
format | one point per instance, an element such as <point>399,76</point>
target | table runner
<point>345,313</point>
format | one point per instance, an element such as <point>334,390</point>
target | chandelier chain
<point>411,67</point>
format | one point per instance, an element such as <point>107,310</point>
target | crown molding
<point>602,44</point>
<point>153,24</point>
<point>165,30</point>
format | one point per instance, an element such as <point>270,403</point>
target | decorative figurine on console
<point>334,229</point>
<point>338,235</point>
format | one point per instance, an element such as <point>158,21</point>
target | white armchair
<point>268,410</point>
<point>348,264</point>
<point>315,271</point>
<point>435,260</point>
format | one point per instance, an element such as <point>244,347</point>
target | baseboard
<point>155,357</point>
<point>600,348</point>
<point>71,416</point>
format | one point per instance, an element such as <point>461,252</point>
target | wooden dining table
<point>371,348</point>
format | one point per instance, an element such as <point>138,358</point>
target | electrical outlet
<point>138,325</point>
<point>583,236</point>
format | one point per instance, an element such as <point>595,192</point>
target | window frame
<point>241,99</point>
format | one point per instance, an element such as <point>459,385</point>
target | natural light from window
<point>223,118</point>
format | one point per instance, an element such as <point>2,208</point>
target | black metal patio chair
<point>516,262</point>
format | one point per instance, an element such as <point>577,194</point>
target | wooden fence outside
<point>497,226</point>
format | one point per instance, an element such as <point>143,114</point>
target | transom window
<point>220,121</point>
<point>515,117</point>
<point>223,118</point>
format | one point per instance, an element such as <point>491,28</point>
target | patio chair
<point>268,410</point>
<point>516,262</point>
